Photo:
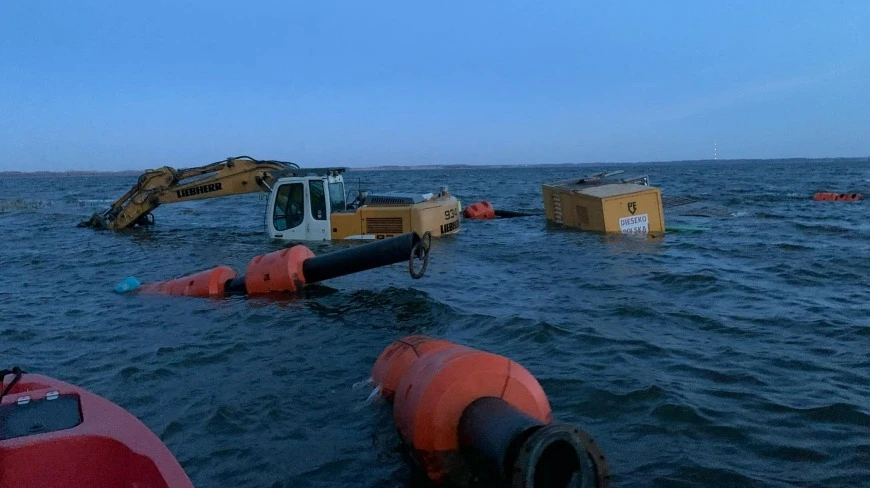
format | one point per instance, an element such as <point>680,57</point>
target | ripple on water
<point>697,474</point>
<point>732,357</point>
<point>18,335</point>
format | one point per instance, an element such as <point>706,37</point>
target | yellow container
<point>620,207</point>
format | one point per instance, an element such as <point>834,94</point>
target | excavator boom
<point>233,176</point>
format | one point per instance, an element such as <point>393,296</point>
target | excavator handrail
<point>232,176</point>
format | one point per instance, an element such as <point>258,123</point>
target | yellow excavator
<point>304,204</point>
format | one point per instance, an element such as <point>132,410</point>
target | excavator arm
<point>155,187</point>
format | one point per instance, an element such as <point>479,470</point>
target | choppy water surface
<point>732,357</point>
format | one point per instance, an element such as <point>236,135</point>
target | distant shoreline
<point>864,159</point>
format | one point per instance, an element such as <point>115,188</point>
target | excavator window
<point>289,206</point>
<point>318,200</point>
<point>336,197</point>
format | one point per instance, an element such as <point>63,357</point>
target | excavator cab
<point>300,205</point>
<point>311,205</point>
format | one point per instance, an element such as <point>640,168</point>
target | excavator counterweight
<point>233,176</point>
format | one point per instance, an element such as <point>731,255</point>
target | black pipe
<point>511,448</point>
<point>236,286</point>
<point>347,261</point>
<point>360,258</point>
<point>504,214</point>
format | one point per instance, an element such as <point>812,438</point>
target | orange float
<point>451,400</point>
<point>837,197</point>
<point>279,271</point>
<point>481,211</point>
<point>395,360</point>
<point>209,283</point>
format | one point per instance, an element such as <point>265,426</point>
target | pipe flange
<point>551,456</point>
<point>420,250</point>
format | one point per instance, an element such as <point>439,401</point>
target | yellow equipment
<point>605,204</point>
<point>304,204</point>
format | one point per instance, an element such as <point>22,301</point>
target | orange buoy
<point>431,397</point>
<point>208,283</point>
<point>277,271</point>
<point>837,197</point>
<point>450,400</point>
<point>481,210</point>
<point>395,360</point>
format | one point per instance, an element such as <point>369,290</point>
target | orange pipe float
<point>450,400</point>
<point>837,197</point>
<point>209,283</point>
<point>275,272</point>
<point>288,270</point>
<point>395,360</point>
<point>482,210</point>
<point>280,271</point>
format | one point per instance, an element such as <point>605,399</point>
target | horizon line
<point>463,165</point>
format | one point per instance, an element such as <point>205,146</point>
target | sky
<point>109,85</point>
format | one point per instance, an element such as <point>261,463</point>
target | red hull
<point>108,447</point>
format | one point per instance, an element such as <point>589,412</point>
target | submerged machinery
<point>604,203</point>
<point>305,204</point>
<point>600,203</point>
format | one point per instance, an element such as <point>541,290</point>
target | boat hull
<point>56,434</point>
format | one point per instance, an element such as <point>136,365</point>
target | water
<point>732,357</point>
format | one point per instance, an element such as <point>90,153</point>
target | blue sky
<point>96,85</point>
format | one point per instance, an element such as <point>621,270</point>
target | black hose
<point>505,214</point>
